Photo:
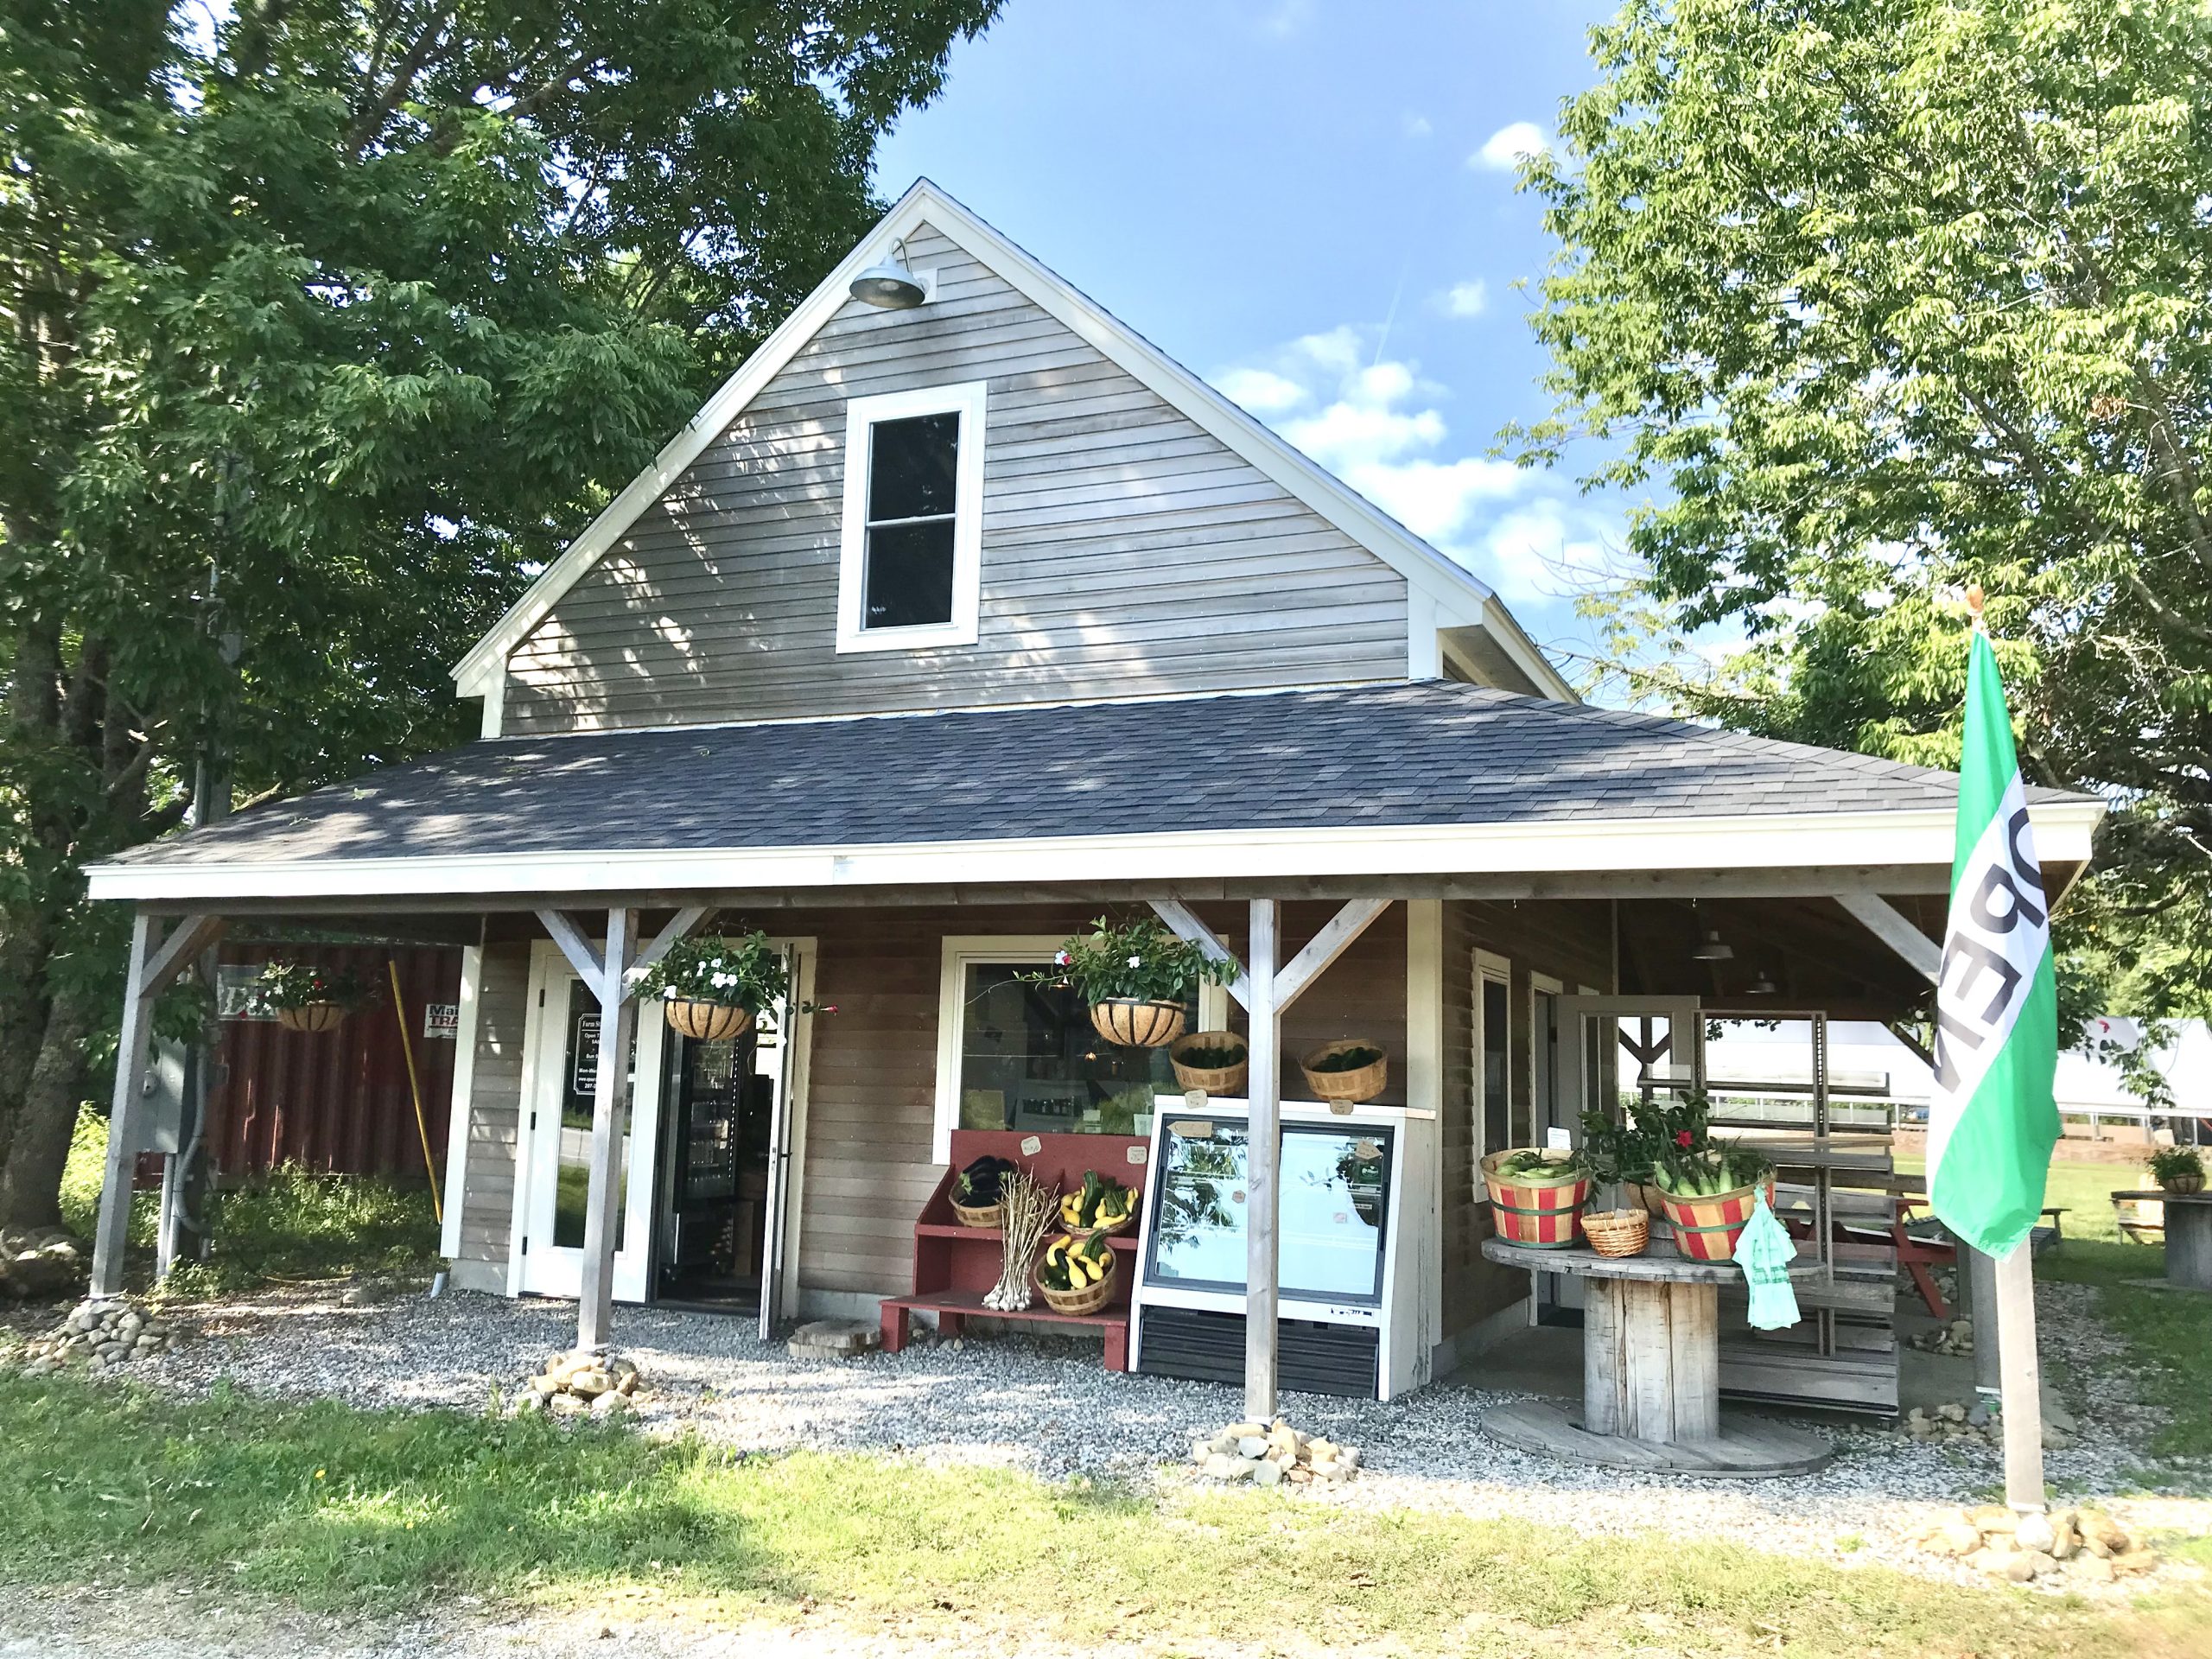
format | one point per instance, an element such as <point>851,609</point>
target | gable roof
<point>1441,593</point>
<point>1432,776</point>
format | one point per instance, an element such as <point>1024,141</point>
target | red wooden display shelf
<point>954,1265</point>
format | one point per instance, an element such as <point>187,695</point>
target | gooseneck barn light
<point>888,284</point>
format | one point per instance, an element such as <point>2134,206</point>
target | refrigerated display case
<point>1349,1203</point>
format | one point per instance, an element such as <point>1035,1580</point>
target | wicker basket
<point>2184,1186</point>
<point>1211,1079</point>
<point>1079,1234</point>
<point>313,1016</point>
<point>707,1022</point>
<point>1364,1082</point>
<point>1617,1232</point>
<point>1090,1299</point>
<point>972,1215</point>
<point>1136,1022</point>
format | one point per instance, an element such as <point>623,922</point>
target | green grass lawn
<point>340,1510</point>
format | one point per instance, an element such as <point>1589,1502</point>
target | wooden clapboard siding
<point>1125,552</point>
<point>1570,942</point>
<point>871,1105</point>
<point>494,1105</point>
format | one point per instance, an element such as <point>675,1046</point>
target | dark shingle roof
<point>1435,753</point>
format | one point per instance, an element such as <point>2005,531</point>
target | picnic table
<point>2188,1234</point>
<point>1650,1372</point>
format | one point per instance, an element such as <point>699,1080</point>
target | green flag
<point>1993,1122</point>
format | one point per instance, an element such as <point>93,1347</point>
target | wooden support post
<point>154,963</point>
<point>2023,1375</point>
<point>1263,1158</point>
<point>1978,1277</point>
<point>603,1204</point>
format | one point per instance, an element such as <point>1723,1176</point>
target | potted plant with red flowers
<point>712,989</point>
<point>1137,976</point>
<point>304,997</point>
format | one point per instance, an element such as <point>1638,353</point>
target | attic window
<point>909,572</point>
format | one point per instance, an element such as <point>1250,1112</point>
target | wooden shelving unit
<point>956,1264</point>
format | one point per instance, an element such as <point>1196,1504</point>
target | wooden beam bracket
<point>1890,925</point>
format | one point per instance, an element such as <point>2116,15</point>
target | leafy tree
<point>326,321</point>
<point>1887,297</point>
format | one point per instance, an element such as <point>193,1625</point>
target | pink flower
<point>1684,1137</point>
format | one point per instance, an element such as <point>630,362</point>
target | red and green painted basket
<point>1540,1212</point>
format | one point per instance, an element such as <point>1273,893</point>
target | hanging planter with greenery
<point>712,989</point>
<point>305,998</point>
<point>1137,976</point>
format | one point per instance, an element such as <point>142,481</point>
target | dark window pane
<point>909,574</point>
<point>910,471</point>
<point>1030,1059</point>
<point>1497,1102</point>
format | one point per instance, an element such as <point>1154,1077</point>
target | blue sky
<point>1313,206</point>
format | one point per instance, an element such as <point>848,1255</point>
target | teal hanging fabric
<point>1764,1251</point>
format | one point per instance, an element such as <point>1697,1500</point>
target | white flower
<point>671,992</point>
<point>1137,962</point>
<point>1061,959</point>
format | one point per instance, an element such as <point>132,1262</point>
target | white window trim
<point>962,949</point>
<point>862,415</point>
<point>1495,969</point>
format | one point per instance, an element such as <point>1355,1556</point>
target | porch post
<point>155,961</point>
<point>1263,1156</point>
<point>603,1205</point>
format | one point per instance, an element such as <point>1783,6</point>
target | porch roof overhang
<point>1428,788</point>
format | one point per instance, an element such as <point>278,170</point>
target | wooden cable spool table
<point>2188,1234</point>
<point>1650,1372</point>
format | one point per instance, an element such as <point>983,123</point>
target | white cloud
<point>1415,126</point>
<point>1503,149</point>
<point>1467,299</point>
<point>1547,548</point>
<point>1374,424</point>
<point>1259,391</point>
<point>1379,426</point>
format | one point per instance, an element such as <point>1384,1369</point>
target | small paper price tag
<point>1135,1154</point>
<point>1558,1140</point>
<point>1031,1146</point>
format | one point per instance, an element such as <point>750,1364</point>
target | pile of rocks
<point>1269,1454</point>
<point>1954,1420</point>
<point>103,1334</point>
<point>2084,1546</point>
<point>582,1380</point>
<point>44,1264</point>
<point>1955,1337</point>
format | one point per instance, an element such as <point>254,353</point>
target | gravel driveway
<point>1050,1408</point>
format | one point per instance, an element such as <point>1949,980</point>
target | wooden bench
<point>955,1308</point>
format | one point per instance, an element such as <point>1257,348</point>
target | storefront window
<point>1031,1060</point>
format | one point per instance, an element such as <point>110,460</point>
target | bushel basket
<point>1543,1212</point>
<point>1214,1080</point>
<point>1706,1229</point>
<point>1089,1299</point>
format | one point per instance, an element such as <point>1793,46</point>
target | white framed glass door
<point>560,1071</point>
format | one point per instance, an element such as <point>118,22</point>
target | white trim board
<point>1454,596</point>
<point>1812,843</point>
<point>968,400</point>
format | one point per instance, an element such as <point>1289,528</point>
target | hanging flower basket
<point>1345,1073</point>
<point>303,997</point>
<point>1198,1058</point>
<point>1137,976</point>
<point>707,1022</point>
<point>313,1016</point>
<point>1137,1022</point>
<point>2178,1170</point>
